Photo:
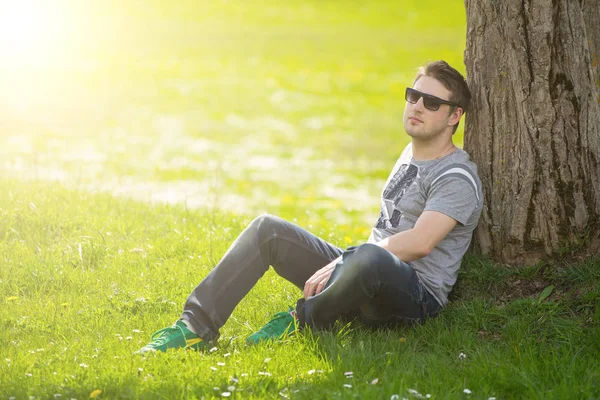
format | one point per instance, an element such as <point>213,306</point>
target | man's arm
<point>418,242</point>
<point>415,243</point>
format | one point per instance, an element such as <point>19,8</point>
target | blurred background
<point>249,106</point>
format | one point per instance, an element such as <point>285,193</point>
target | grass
<point>133,158</point>
<point>86,279</point>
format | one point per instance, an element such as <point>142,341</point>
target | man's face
<point>421,123</point>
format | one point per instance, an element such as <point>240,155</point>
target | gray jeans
<point>369,282</point>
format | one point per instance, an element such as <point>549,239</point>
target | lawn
<point>134,156</point>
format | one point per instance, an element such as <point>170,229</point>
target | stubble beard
<point>421,134</point>
<point>421,131</point>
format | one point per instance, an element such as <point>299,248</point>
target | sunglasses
<point>430,102</point>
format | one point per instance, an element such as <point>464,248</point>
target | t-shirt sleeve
<point>454,196</point>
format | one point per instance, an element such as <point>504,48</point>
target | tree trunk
<point>534,125</point>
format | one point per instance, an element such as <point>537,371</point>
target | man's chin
<point>412,133</point>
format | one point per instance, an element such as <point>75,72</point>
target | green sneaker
<point>282,324</point>
<point>173,337</point>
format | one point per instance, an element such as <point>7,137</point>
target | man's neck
<point>432,149</point>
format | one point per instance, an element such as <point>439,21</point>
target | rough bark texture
<point>534,125</point>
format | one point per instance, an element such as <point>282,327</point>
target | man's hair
<point>452,80</point>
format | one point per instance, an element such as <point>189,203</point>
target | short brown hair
<point>451,79</point>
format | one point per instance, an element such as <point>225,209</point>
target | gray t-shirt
<point>449,185</point>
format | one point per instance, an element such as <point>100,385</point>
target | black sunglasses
<point>430,102</point>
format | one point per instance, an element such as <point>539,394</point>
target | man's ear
<point>455,116</point>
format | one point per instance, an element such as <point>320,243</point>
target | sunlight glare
<point>31,32</point>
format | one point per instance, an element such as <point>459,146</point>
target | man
<point>430,206</point>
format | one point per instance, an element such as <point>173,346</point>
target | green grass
<point>226,109</point>
<point>82,274</point>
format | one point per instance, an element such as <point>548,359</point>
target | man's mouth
<point>414,119</point>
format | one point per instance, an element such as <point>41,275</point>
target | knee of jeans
<point>364,257</point>
<point>370,253</point>
<point>265,225</point>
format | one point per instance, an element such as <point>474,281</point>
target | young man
<point>430,206</point>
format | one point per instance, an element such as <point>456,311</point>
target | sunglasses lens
<point>412,96</point>
<point>431,104</point>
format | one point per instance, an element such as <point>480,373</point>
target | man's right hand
<point>315,284</point>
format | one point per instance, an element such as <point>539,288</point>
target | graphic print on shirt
<point>389,217</point>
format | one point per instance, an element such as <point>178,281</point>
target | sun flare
<point>31,32</point>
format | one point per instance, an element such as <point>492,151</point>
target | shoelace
<point>269,327</point>
<point>159,337</point>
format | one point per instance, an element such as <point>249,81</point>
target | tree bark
<point>534,125</point>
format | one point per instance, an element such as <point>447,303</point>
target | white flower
<point>221,364</point>
<point>136,331</point>
<point>347,386</point>
<point>83,365</point>
<point>415,393</point>
<point>395,397</point>
<point>140,369</point>
<point>265,373</point>
<point>312,371</point>
<point>231,388</point>
<point>349,373</point>
<point>128,338</point>
<point>57,395</point>
<point>267,360</point>
<point>213,350</point>
<point>462,356</point>
<point>226,394</point>
<point>213,368</point>
<point>467,391</point>
<point>28,374</point>
<point>226,354</point>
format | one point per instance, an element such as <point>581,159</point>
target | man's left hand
<point>316,283</point>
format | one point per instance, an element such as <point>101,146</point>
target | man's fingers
<point>310,284</point>
<point>315,287</point>
<point>307,285</point>
<point>308,291</point>
<point>320,286</point>
<point>308,288</point>
<point>315,284</point>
